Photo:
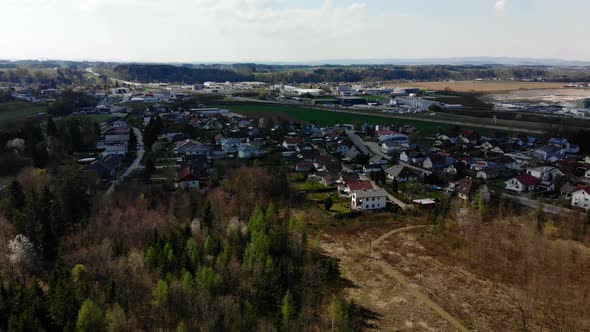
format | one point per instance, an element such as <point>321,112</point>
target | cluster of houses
<point>464,164</point>
<point>112,146</point>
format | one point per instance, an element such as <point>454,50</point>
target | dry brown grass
<point>480,86</point>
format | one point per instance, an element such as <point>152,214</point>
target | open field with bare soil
<point>406,280</point>
<point>480,86</point>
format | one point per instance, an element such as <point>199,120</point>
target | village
<point>345,167</point>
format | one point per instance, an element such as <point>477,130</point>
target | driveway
<point>136,164</point>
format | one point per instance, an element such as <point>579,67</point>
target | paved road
<point>376,149</point>
<point>136,164</point>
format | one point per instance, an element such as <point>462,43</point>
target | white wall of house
<point>515,185</point>
<point>188,185</point>
<point>368,203</point>
<point>581,199</point>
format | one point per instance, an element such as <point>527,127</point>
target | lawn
<point>417,190</point>
<point>308,185</point>
<point>328,118</point>
<point>16,111</point>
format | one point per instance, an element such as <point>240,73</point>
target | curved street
<point>136,164</point>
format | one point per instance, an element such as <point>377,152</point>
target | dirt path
<point>419,296</point>
<point>395,231</point>
<point>398,302</point>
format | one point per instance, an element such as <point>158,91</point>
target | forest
<point>191,74</point>
<point>155,261</point>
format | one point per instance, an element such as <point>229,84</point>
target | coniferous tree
<point>51,127</point>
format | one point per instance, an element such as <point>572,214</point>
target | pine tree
<point>328,203</point>
<point>149,170</point>
<point>90,317</point>
<point>51,127</point>
<point>288,307</point>
<point>116,319</point>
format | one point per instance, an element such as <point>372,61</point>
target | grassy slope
<point>10,112</point>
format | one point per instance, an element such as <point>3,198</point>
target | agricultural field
<point>326,118</point>
<point>16,111</point>
<point>481,86</point>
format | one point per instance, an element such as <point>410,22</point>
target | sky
<point>291,30</point>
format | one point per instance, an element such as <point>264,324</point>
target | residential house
<point>187,179</point>
<point>438,161</point>
<point>401,173</point>
<point>489,173</point>
<point>117,135</point>
<point>292,143</point>
<point>304,166</point>
<point>345,177</point>
<point>549,153</point>
<point>191,148</point>
<point>378,160</point>
<point>544,173</point>
<point>324,162</point>
<point>373,199</point>
<point>341,148</point>
<point>522,183</point>
<point>465,188</point>
<point>372,169</point>
<point>581,198</point>
<point>565,146</point>
<point>326,178</point>
<point>249,151</point>
<point>231,145</point>
<point>352,186</point>
<point>519,160</point>
<point>352,154</point>
<point>567,191</point>
<point>112,148</point>
<point>118,124</point>
<point>412,157</point>
<point>394,143</point>
<point>104,169</point>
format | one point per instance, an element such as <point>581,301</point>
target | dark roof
<point>528,180</point>
<point>465,186</point>
<point>360,185</point>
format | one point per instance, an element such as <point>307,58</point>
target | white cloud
<point>500,5</point>
<point>274,30</point>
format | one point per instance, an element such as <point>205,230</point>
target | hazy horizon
<point>270,31</point>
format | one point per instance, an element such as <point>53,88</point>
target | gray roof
<point>358,142</point>
<point>397,170</point>
<point>370,193</point>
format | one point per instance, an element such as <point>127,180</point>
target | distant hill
<point>506,61</point>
